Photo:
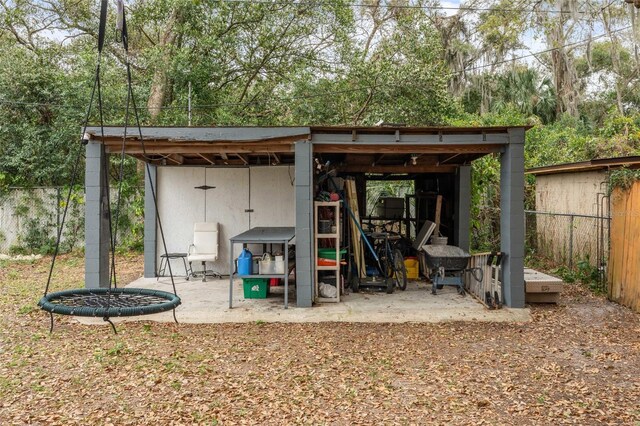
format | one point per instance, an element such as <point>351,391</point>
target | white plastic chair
<point>204,247</point>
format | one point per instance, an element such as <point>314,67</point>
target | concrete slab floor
<point>208,302</point>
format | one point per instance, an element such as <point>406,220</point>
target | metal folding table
<point>263,235</point>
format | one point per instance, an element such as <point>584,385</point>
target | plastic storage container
<point>330,253</point>
<point>255,288</point>
<point>411,264</point>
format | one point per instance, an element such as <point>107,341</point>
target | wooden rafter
<point>376,159</point>
<point>211,159</point>
<point>175,158</point>
<point>244,158</point>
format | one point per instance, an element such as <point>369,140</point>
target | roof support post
<point>304,223</point>
<point>150,224</point>
<point>462,206</point>
<point>96,222</point>
<point>512,218</point>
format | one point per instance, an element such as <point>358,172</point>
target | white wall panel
<point>273,196</point>
<point>226,204</point>
<point>180,205</point>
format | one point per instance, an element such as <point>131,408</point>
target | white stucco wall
<point>267,190</point>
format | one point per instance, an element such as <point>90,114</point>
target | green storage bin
<point>255,288</point>
<point>330,253</point>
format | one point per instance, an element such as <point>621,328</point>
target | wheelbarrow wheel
<point>399,270</point>
<point>390,285</point>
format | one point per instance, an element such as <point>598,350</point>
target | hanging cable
<point>125,42</point>
<point>76,166</point>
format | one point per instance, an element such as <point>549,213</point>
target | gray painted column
<point>462,207</point>
<point>150,223</point>
<point>304,223</point>
<point>96,219</point>
<point>512,219</point>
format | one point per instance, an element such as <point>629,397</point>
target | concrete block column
<point>462,204</point>
<point>512,219</point>
<point>150,222</point>
<point>96,224</point>
<point>304,223</point>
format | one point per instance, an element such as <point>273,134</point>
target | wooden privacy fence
<point>624,258</point>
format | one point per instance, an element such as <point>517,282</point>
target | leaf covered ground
<point>575,363</point>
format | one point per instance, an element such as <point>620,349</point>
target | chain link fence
<point>576,244</point>
<point>30,219</point>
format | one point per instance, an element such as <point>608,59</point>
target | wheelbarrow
<point>447,265</point>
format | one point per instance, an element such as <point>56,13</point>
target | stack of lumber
<point>356,240</point>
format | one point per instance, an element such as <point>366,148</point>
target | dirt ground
<point>575,363</point>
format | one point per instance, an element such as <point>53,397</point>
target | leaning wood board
<point>356,238</point>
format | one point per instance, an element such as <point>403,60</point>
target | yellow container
<point>411,264</point>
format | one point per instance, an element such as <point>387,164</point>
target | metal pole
<point>58,200</point>
<point>189,104</point>
<point>571,242</point>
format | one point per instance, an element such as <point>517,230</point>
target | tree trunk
<point>159,84</point>
<point>564,74</point>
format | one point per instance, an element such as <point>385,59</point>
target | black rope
<point>122,36</point>
<point>74,177</point>
<point>144,152</point>
<point>103,24</point>
<point>89,302</point>
<point>105,166</point>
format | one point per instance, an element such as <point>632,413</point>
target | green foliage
<point>588,274</point>
<point>623,178</point>
<point>567,275</point>
<point>485,204</point>
<point>37,239</point>
<point>517,92</point>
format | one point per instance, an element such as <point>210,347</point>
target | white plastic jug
<point>267,265</point>
<point>279,265</point>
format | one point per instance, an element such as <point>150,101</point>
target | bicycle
<point>391,264</point>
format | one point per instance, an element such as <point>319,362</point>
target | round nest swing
<point>112,301</point>
<point>104,302</point>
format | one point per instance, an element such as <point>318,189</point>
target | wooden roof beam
<point>407,149</point>
<point>202,149</point>
<point>399,169</point>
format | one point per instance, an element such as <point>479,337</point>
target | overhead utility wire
<point>398,6</point>
<point>338,92</point>
<point>532,54</point>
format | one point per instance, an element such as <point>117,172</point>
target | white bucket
<point>279,265</point>
<point>439,241</point>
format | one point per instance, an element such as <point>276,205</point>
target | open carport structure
<point>264,176</point>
